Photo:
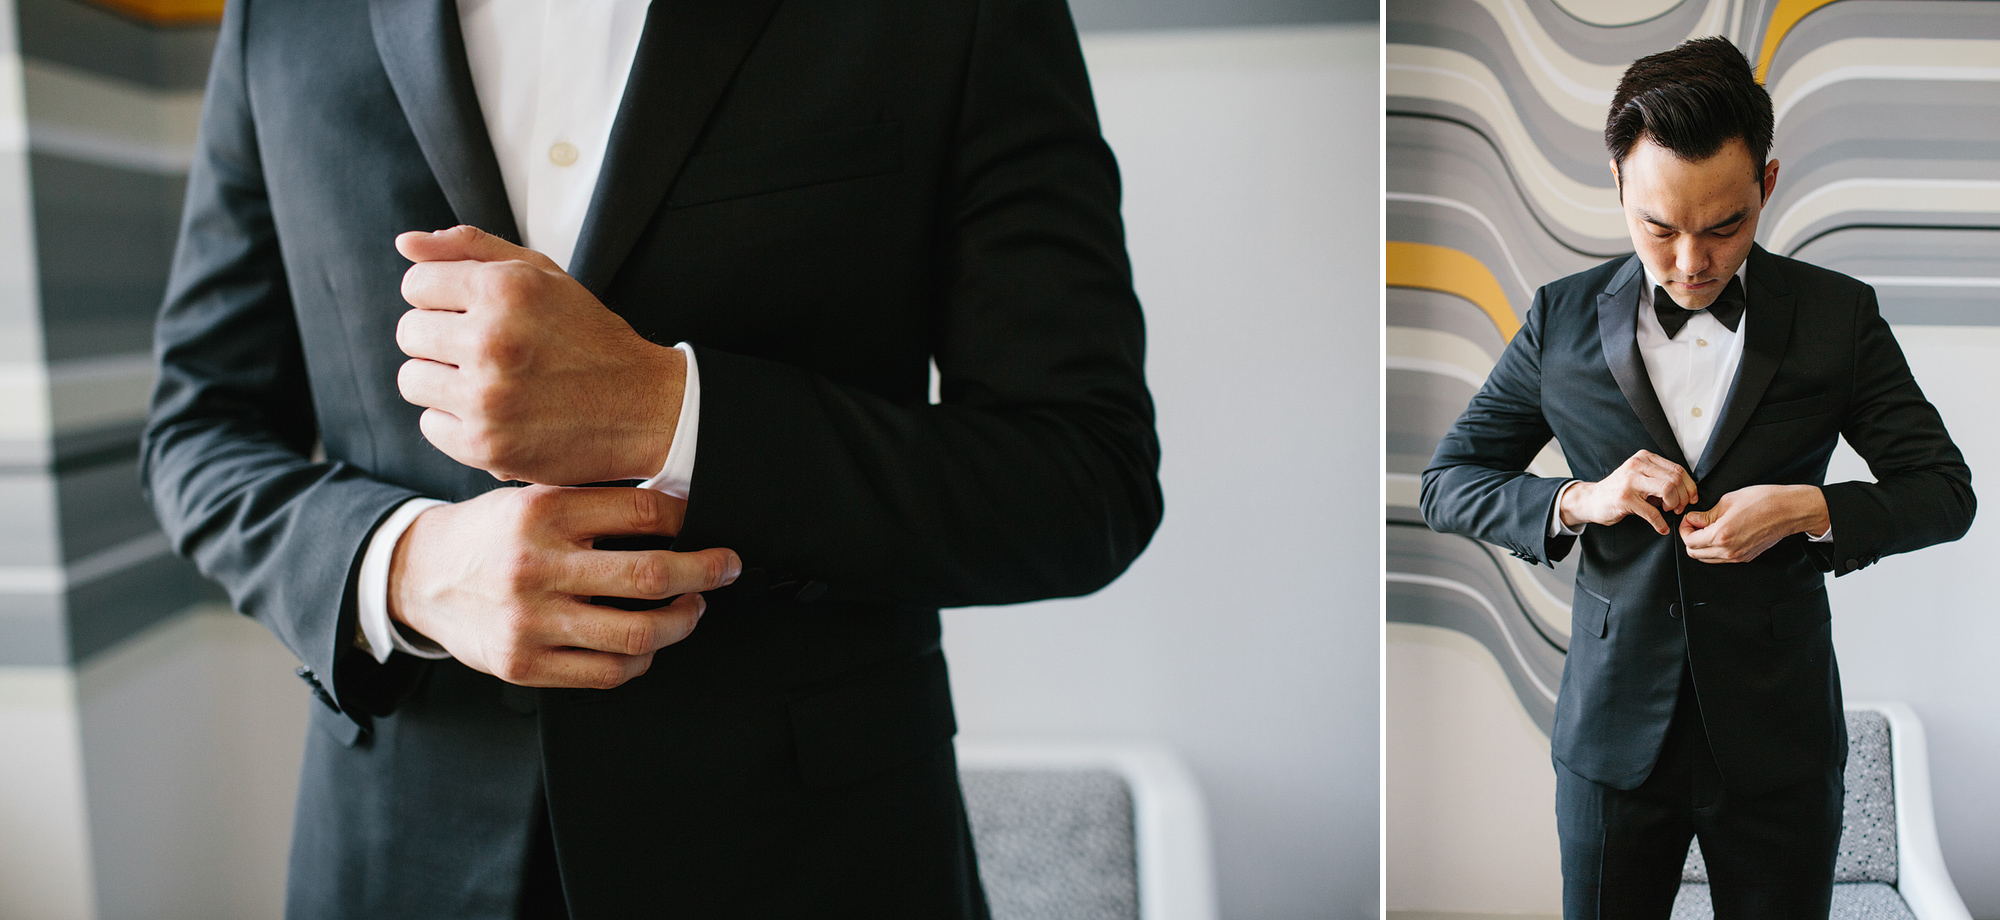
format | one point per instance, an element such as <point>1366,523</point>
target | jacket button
<point>1674,610</point>
<point>1852,565</point>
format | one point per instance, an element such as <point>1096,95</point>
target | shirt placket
<point>549,139</point>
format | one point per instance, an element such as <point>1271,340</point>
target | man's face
<point>1692,222</point>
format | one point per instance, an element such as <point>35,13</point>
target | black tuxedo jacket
<point>1819,363</point>
<point>823,198</point>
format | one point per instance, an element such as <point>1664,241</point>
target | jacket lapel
<point>1769,310</point>
<point>1617,318</point>
<point>687,56</point>
<point>424,53</point>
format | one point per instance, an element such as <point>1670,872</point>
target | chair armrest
<point>1921,877</point>
<point>1170,822</point>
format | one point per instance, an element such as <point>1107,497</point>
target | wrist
<point>1812,514</point>
<point>666,382</point>
<point>1568,501</point>
<point>402,599</point>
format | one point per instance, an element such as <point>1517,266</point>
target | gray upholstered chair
<point>1087,832</point>
<point>1889,866</point>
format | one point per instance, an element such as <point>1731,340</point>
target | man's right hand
<point>1642,485</point>
<point>503,582</point>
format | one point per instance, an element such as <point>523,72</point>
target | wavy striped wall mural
<point>1888,131</point>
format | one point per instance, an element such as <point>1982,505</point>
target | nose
<point>1691,258</point>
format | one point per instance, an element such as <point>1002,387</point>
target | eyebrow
<point>1733,218</point>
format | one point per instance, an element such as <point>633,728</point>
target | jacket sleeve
<point>1037,474</point>
<point>225,456</point>
<point>1922,493</point>
<point>1477,484</point>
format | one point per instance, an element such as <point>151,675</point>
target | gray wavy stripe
<point>94,39</point>
<point>1520,646</point>
<point>1615,46</point>
<point>104,242</point>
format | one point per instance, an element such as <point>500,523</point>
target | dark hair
<point>1691,100</point>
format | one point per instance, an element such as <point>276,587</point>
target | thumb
<point>1697,519</point>
<point>465,243</point>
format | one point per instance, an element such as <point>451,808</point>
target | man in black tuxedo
<point>819,200</point>
<point>1697,389</point>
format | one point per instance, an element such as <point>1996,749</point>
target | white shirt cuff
<point>677,474</point>
<point>1556,528</point>
<point>379,636</point>
<point>1822,538</point>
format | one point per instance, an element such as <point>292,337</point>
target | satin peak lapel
<point>424,53</point>
<point>1617,323</point>
<point>1769,311</point>
<point>687,56</point>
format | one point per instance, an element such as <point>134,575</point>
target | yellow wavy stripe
<point>168,12</point>
<point>1449,271</point>
<point>1783,17</point>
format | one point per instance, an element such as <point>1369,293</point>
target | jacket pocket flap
<point>1588,611</point>
<point>873,721</point>
<point>849,153</point>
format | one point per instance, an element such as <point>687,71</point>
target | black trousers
<point>1770,856</point>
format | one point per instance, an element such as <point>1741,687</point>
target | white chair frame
<point>1921,877</point>
<point>1170,821</point>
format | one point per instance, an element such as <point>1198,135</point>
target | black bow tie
<point>1727,309</point>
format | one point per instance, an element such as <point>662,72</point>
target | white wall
<point>1924,628</point>
<point>192,736</point>
<point>1247,638</point>
<point>44,843</point>
<point>1471,820</point>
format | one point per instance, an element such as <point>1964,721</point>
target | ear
<point>1617,182</point>
<point>1770,179</point>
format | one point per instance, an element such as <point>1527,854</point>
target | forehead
<point>1657,178</point>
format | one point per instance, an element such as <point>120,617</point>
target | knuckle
<point>644,507</point>
<point>521,572</point>
<point>477,442</point>
<point>538,502</point>
<point>413,279</point>
<point>651,577</point>
<point>510,282</point>
<point>638,637</point>
<point>406,379</point>
<point>513,668</point>
<point>495,343</point>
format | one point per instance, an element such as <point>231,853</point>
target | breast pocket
<point>1791,409</point>
<point>817,159</point>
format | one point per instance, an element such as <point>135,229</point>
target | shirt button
<point>1697,412</point>
<point>1701,342</point>
<point>563,153</point>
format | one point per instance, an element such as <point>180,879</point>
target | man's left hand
<point>1746,522</point>
<point>523,373</point>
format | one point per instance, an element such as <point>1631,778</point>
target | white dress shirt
<point>549,77</point>
<point>1691,374</point>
